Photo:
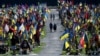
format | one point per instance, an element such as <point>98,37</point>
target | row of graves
<point>21,27</point>
<point>82,28</point>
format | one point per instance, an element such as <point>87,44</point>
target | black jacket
<point>25,44</point>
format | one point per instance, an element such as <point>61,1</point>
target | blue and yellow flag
<point>64,36</point>
<point>77,28</point>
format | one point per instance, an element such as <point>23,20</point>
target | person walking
<point>55,27</point>
<point>50,26</point>
<point>53,15</point>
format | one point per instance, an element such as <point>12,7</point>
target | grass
<point>63,53</point>
<point>35,50</point>
<point>38,49</point>
<point>7,54</point>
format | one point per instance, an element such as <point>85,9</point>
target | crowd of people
<point>21,27</point>
<point>82,27</point>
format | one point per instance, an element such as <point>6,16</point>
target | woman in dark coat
<point>50,26</point>
<point>55,27</point>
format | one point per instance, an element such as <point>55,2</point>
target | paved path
<point>53,43</point>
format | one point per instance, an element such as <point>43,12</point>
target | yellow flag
<point>13,21</point>
<point>66,45</point>
<point>15,27</point>
<point>34,31</point>
<point>30,35</point>
<point>10,35</point>
<point>84,45</point>
<point>48,11</point>
<point>77,28</point>
<point>65,36</point>
<point>44,19</point>
<point>89,20</point>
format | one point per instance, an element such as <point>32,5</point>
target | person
<point>37,37</point>
<point>14,42</point>
<point>50,25</point>
<point>2,46</point>
<point>25,47</point>
<point>53,15</point>
<point>55,27</point>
